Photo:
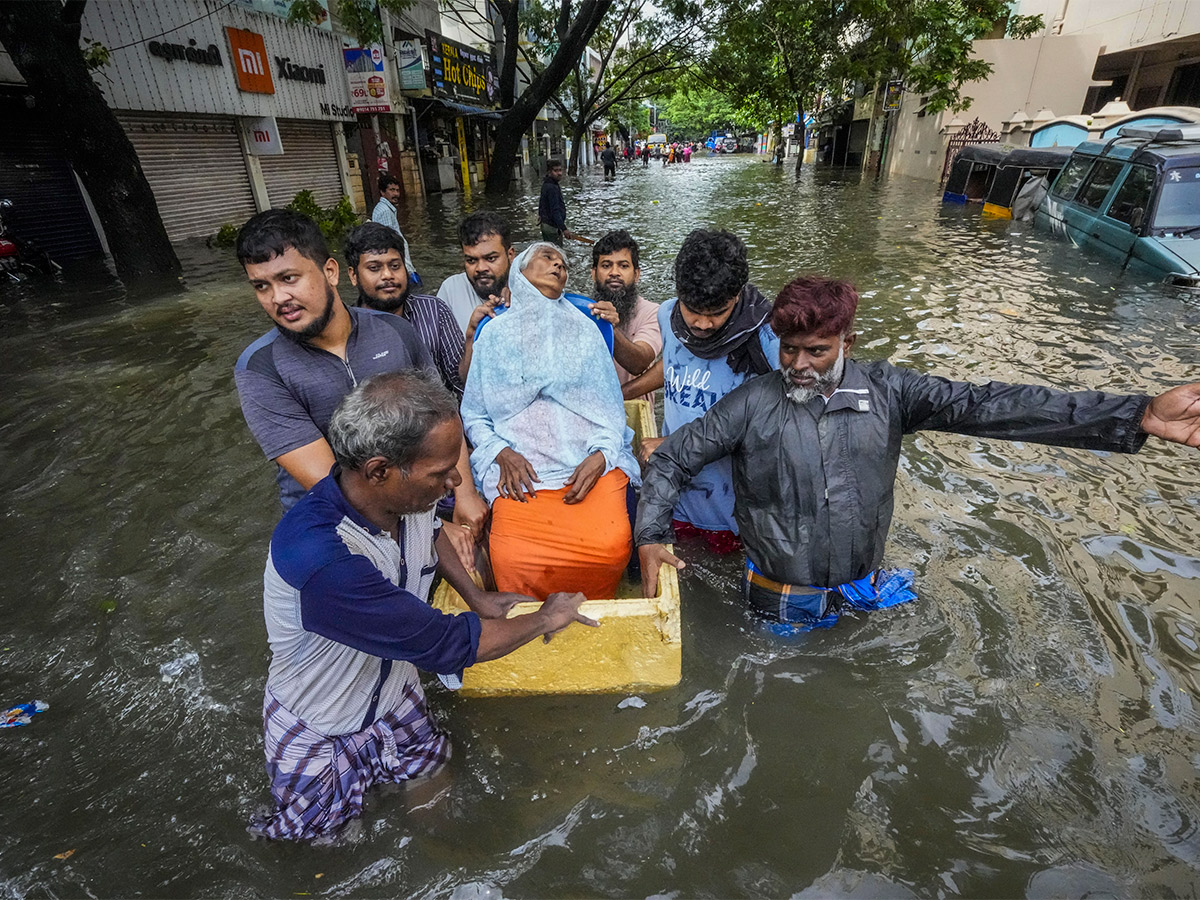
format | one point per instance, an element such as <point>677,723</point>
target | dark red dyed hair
<point>813,305</point>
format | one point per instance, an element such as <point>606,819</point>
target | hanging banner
<point>893,95</point>
<point>461,73</point>
<point>411,65</point>
<point>366,79</point>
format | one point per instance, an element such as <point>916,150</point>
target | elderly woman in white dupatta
<point>552,456</point>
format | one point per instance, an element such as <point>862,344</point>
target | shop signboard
<point>262,136</point>
<point>411,65</point>
<point>461,73</point>
<point>366,79</point>
<point>249,55</point>
<point>891,97</point>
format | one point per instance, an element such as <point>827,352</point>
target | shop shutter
<point>194,165</point>
<point>48,208</point>
<point>309,163</point>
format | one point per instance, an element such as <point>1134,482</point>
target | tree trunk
<point>524,110</point>
<point>577,134</point>
<point>45,50</point>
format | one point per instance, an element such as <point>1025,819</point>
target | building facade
<point>231,110</point>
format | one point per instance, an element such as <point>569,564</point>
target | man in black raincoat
<point>815,450</point>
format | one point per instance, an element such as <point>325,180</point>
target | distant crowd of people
<point>411,431</point>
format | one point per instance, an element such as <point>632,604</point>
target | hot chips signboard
<point>461,73</point>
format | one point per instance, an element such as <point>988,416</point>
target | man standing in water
<point>552,209</point>
<point>290,380</point>
<point>715,336</point>
<point>385,214</point>
<point>814,455</point>
<point>346,599</point>
<point>616,272</point>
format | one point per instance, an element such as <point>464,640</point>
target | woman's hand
<point>517,476</point>
<point>585,476</point>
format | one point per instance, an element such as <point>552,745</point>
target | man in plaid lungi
<point>345,597</point>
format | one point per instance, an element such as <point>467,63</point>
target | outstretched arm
<point>1175,415</point>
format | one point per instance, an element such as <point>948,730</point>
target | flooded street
<point>1028,727</point>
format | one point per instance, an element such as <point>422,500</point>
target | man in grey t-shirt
<point>291,379</point>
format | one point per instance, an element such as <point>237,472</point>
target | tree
<point>639,49</point>
<point>784,54</point>
<point>43,38</point>
<point>697,109</point>
<point>573,27</point>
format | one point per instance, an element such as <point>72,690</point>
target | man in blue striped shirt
<point>345,597</point>
<point>375,260</point>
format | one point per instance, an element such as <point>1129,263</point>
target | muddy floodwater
<point>1027,728</point>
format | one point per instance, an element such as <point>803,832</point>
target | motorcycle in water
<point>20,258</point>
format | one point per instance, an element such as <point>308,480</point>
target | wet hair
<point>620,239</point>
<point>710,270</point>
<point>554,164</point>
<point>386,181</point>
<point>813,305</point>
<point>371,237</point>
<point>272,233</point>
<point>389,415</point>
<point>475,227</point>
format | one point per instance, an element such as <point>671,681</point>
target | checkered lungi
<point>318,781</point>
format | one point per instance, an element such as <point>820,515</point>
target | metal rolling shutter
<point>194,165</point>
<point>47,206</point>
<point>309,163</point>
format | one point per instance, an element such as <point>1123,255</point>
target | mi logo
<point>248,48</point>
<point>250,62</point>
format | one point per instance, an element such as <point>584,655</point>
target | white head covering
<point>542,382</point>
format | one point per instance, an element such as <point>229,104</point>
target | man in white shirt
<point>487,254</point>
<point>385,214</point>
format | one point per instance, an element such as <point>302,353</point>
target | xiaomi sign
<point>249,55</point>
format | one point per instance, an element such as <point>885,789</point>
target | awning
<point>465,110</point>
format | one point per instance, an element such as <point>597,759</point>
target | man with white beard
<point>814,455</point>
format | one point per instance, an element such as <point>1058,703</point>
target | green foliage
<point>226,235</point>
<point>359,18</point>
<point>95,54</point>
<point>334,221</point>
<point>781,57</point>
<point>696,110</point>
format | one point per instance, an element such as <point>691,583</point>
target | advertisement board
<point>411,65</point>
<point>366,79</point>
<point>461,73</point>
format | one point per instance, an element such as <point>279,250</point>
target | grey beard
<point>825,384</point>
<point>623,299</point>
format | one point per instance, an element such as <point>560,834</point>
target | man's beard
<point>824,384</point>
<point>385,304</point>
<point>494,288</point>
<point>622,298</point>
<point>317,325</point>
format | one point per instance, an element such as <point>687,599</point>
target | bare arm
<point>499,637</point>
<point>632,356</point>
<point>650,380</point>
<point>308,464</point>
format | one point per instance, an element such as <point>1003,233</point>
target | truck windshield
<point>1179,204</point>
